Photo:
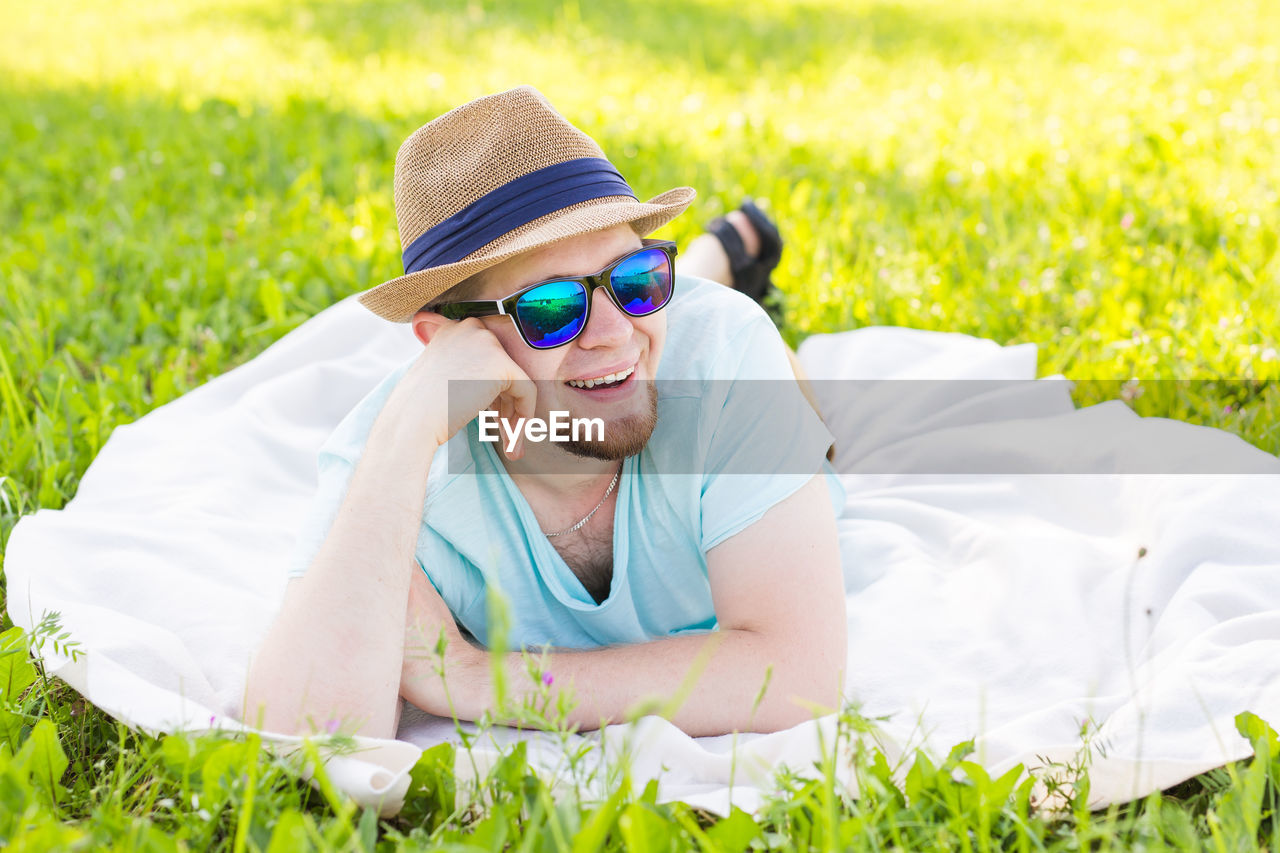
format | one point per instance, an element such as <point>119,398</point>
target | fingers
<point>525,394</point>
<point>519,401</point>
<point>426,611</point>
<point>510,427</point>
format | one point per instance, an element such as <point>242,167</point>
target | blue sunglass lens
<point>642,282</point>
<point>552,314</point>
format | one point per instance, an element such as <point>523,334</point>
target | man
<point>688,543</point>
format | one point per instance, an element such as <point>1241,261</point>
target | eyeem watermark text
<point>559,428</point>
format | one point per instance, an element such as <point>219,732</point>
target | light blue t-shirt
<point>720,457</point>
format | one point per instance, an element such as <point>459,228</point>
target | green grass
<point>185,182</point>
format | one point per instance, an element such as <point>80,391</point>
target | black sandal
<point>750,275</point>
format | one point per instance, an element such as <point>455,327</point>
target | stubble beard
<point>623,437</point>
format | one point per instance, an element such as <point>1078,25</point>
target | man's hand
<point>437,660</point>
<point>465,365</point>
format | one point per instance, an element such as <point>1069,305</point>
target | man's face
<point>611,343</point>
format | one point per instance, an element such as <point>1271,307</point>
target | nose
<point>607,326</point>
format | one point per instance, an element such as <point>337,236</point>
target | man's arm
<point>779,600</point>
<point>333,656</point>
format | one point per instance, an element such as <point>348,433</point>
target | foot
<point>750,239</point>
<point>753,246</point>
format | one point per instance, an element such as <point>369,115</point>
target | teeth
<point>602,380</point>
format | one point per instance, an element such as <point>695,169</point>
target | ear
<point>426,324</point>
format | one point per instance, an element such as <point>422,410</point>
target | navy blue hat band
<point>512,205</point>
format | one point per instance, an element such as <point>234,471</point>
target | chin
<point>624,436</point>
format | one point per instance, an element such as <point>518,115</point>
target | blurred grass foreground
<point>181,183</point>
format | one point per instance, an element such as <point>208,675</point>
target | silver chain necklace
<point>607,492</point>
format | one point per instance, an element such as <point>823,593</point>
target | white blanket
<point>1014,609</point>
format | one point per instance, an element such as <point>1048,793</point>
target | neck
<point>548,470</point>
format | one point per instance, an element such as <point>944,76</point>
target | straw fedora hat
<point>496,177</point>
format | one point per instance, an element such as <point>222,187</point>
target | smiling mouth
<point>609,380</point>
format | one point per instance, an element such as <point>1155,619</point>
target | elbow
<point>282,700</point>
<point>818,699</point>
<point>260,703</point>
<point>273,701</point>
<point>807,683</point>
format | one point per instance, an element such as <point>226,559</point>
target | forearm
<point>333,656</point>
<point>706,684</point>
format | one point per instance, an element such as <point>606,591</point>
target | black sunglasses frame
<point>603,278</point>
